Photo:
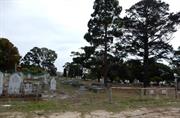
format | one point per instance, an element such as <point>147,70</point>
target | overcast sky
<point>56,24</point>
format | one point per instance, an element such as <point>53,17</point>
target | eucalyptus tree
<point>42,58</point>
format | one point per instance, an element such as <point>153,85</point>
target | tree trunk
<point>105,58</point>
<point>145,63</point>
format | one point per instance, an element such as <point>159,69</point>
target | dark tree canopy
<point>118,72</point>
<point>135,69</point>
<point>176,61</point>
<point>177,57</point>
<point>9,56</point>
<point>103,26</point>
<point>149,27</point>
<point>89,59</point>
<point>160,72</point>
<point>41,57</point>
<point>72,70</point>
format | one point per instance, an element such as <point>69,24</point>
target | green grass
<point>89,102</point>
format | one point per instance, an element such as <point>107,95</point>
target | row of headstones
<point>15,83</point>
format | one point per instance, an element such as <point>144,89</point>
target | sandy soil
<point>139,113</point>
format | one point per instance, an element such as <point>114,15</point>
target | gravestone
<point>151,92</point>
<point>28,88</point>
<point>164,92</point>
<point>1,83</point>
<point>14,84</point>
<point>53,84</point>
<point>45,79</point>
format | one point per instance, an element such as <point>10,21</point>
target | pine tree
<point>149,28</point>
<point>104,26</point>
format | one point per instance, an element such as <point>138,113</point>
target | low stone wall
<point>151,91</point>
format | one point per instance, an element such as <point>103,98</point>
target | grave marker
<point>14,84</point>
<point>151,92</point>
<point>53,84</point>
<point>28,88</point>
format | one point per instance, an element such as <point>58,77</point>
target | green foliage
<point>33,70</point>
<point>40,59</point>
<point>160,71</point>
<point>72,70</point>
<point>156,79</point>
<point>118,72</point>
<point>135,68</point>
<point>9,56</point>
<point>104,23</point>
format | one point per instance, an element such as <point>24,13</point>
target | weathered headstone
<point>45,79</point>
<point>1,83</point>
<point>151,92</point>
<point>53,84</point>
<point>28,88</point>
<point>14,84</point>
<point>164,92</point>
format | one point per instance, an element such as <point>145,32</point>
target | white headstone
<point>28,88</point>
<point>53,84</point>
<point>14,84</point>
<point>45,79</point>
<point>1,83</point>
<point>151,92</point>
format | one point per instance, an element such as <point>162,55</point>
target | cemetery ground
<point>71,102</point>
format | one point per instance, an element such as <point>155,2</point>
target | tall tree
<point>9,56</point>
<point>41,57</point>
<point>103,26</point>
<point>149,27</point>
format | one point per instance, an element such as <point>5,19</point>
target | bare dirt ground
<point>138,113</point>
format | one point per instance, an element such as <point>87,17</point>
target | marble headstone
<point>45,79</point>
<point>1,83</point>
<point>28,88</point>
<point>14,84</point>
<point>53,84</point>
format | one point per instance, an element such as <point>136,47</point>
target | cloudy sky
<point>56,24</point>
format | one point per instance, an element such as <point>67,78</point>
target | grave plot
<point>32,87</point>
<point>19,86</point>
